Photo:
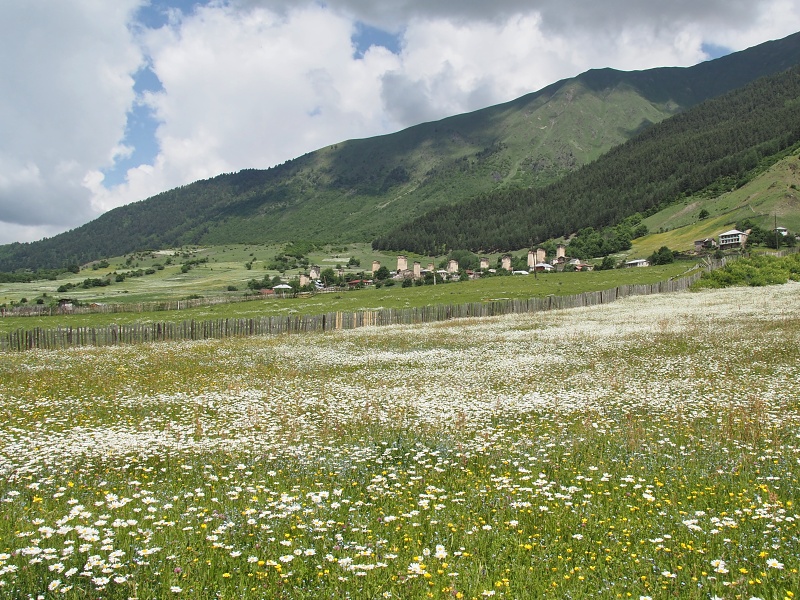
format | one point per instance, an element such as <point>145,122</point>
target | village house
<point>580,266</point>
<point>705,244</point>
<point>732,239</point>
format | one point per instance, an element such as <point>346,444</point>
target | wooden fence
<point>112,335</point>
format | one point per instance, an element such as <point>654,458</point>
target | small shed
<point>704,244</point>
<point>639,262</point>
<point>282,288</point>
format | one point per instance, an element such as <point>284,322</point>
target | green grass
<point>773,194</point>
<point>487,289</point>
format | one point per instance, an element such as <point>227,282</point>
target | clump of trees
<point>265,283</point>
<point>592,243</point>
<point>662,256</point>
<point>769,238</point>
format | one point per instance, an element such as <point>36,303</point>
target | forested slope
<point>718,143</point>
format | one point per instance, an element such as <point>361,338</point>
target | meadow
<point>647,448</point>
<point>482,290</point>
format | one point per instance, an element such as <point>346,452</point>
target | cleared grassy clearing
<point>647,447</point>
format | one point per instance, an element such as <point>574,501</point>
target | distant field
<point>491,288</point>
<point>226,266</point>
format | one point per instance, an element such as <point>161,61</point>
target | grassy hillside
<point>770,197</point>
<point>360,189</point>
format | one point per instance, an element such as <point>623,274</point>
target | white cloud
<point>252,83</point>
<point>253,89</point>
<point>67,87</point>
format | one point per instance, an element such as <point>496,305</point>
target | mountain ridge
<point>356,190</point>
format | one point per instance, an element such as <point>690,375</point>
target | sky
<point>106,103</point>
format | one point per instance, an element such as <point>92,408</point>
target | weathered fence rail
<point>112,335</point>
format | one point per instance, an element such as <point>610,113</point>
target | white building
<point>732,239</point>
<point>639,262</point>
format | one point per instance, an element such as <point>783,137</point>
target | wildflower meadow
<point>648,448</point>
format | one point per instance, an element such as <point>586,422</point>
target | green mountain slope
<point>361,189</point>
<point>716,146</point>
<point>770,198</point>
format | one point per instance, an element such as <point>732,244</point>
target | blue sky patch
<point>140,134</point>
<point>154,14</point>
<point>715,51</point>
<point>140,130</point>
<point>366,36</point>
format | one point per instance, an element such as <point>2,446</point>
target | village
<point>537,262</point>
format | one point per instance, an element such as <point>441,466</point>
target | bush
<point>607,264</point>
<point>382,273</point>
<point>756,271</point>
<point>663,256</point>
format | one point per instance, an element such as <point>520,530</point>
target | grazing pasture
<point>648,448</point>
